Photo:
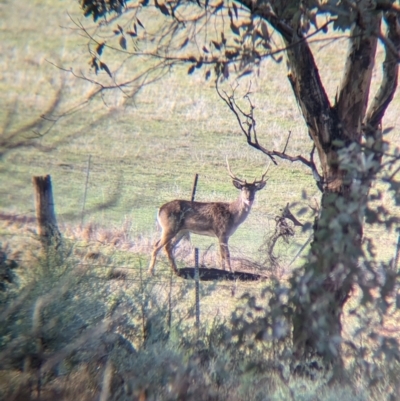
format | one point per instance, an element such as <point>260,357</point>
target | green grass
<point>145,152</point>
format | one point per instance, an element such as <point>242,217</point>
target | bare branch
<point>287,141</point>
<point>134,84</point>
<point>251,134</point>
<point>287,214</point>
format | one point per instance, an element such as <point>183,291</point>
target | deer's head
<point>248,190</point>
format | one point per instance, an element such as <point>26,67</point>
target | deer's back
<point>211,218</point>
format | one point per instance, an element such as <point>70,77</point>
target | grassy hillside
<point>144,151</point>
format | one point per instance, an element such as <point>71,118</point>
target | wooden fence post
<point>85,193</point>
<point>197,287</point>
<point>196,265</point>
<point>196,177</point>
<point>46,217</point>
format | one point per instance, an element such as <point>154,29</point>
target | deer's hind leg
<point>170,246</point>
<point>165,239</point>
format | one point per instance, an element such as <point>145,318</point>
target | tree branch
<point>388,86</point>
<point>353,93</point>
<point>248,128</point>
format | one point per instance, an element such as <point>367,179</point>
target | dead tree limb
<point>284,230</point>
<point>247,124</point>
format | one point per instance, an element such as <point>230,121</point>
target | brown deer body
<point>216,219</point>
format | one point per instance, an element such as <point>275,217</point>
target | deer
<point>178,218</point>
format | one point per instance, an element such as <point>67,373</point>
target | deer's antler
<point>262,177</point>
<point>233,176</point>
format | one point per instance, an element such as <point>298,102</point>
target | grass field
<point>144,152</point>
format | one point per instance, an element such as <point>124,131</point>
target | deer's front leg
<point>224,252</point>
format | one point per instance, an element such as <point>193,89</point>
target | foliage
<point>72,332</point>
<point>100,8</point>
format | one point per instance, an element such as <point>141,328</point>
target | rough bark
<point>354,90</point>
<point>335,129</point>
<point>336,247</point>
<point>373,120</point>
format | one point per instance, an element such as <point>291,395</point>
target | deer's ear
<point>261,185</point>
<point>237,184</point>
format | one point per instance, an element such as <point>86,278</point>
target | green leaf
<point>264,30</point>
<point>99,48</point>
<point>104,67</point>
<point>244,73</point>
<point>235,10</point>
<point>302,211</point>
<point>343,21</point>
<point>162,7</point>
<point>266,45</point>
<point>223,39</point>
<point>122,42</point>
<point>219,6</point>
<point>95,65</point>
<point>185,42</point>
<point>164,10</point>
<point>216,45</point>
<point>138,21</point>
<point>234,29</point>
<point>387,130</point>
<point>231,54</point>
<point>226,71</point>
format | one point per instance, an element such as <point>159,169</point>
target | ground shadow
<point>211,274</point>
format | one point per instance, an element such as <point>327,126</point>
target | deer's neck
<point>240,209</point>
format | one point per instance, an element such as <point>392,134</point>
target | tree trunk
<point>326,282</point>
<point>348,162</point>
<point>336,131</point>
